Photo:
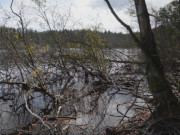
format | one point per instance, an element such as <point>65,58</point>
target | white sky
<point>83,13</point>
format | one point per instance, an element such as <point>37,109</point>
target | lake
<point>83,103</point>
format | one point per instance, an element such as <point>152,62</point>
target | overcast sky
<point>88,13</point>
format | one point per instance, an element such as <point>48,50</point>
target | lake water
<point>76,107</point>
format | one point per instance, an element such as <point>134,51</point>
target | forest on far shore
<point>166,33</point>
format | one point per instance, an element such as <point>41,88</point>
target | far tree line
<point>167,31</point>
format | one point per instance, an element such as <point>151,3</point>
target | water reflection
<point>77,106</point>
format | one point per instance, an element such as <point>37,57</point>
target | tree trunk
<point>161,90</point>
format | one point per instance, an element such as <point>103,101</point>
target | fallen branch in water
<point>126,62</point>
<point>26,87</point>
<point>35,115</point>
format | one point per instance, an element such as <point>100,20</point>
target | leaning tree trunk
<point>165,101</point>
<point>161,90</point>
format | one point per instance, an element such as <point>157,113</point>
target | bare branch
<point>35,115</point>
<point>124,24</point>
